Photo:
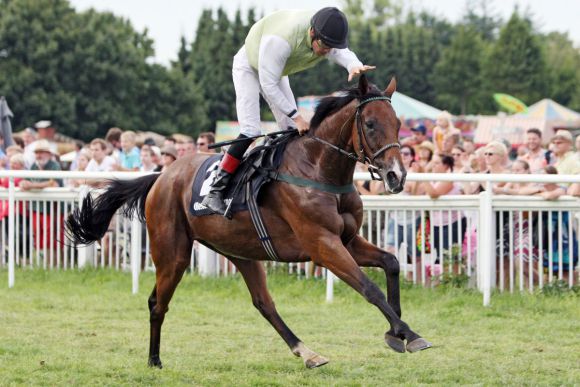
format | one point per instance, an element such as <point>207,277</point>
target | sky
<point>168,20</point>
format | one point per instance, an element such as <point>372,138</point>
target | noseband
<point>361,154</point>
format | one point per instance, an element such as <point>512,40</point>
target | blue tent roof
<point>406,107</point>
<point>409,108</point>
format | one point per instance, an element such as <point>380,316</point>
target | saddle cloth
<point>256,167</point>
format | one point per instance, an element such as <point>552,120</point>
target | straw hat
<point>427,145</point>
<point>563,135</point>
<point>169,150</point>
<point>42,146</point>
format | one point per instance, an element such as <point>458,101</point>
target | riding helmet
<point>330,26</point>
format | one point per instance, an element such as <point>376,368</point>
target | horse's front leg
<point>328,251</point>
<point>368,255</point>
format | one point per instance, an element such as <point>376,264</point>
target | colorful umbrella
<point>510,103</point>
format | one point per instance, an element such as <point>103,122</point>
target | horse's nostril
<point>392,179</point>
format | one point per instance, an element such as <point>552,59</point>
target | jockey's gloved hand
<point>359,70</point>
<point>301,124</point>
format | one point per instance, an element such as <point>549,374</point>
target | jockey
<point>282,43</point>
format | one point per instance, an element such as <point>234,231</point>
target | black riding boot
<point>214,200</point>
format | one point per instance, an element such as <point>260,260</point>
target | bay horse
<point>305,224</point>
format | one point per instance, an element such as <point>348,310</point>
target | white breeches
<point>248,90</point>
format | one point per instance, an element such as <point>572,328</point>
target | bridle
<point>360,155</point>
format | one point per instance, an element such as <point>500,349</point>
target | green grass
<point>86,328</point>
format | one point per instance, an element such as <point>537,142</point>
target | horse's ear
<point>391,88</point>
<point>363,84</point>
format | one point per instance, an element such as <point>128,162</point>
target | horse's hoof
<point>418,345</point>
<point>155,362</point>
<point>315,361</point>
<point>395,343</point>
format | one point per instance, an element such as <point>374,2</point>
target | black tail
<point>91,221</point>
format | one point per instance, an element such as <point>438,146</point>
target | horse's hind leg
<point>171,258</point>
<point>255,278</point>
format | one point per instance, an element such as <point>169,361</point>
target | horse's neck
<point>324,163</point>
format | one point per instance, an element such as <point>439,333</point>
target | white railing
<point>400,218</point>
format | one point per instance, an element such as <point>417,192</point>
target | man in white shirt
<point>282,43</point>
<point>100,162</point>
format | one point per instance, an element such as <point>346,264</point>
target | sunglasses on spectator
<point>456,154</point>
<point>405,153</point>
<point>201,144</point>
<point>488,154</point>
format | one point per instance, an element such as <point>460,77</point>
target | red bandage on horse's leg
<point>229,163</point>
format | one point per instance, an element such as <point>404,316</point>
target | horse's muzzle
<point>393,183</point>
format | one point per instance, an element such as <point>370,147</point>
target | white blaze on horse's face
<point>395,175</point>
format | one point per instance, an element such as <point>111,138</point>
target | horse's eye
<point>370,124</point>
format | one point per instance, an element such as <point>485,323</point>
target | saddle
<point>258,167</point>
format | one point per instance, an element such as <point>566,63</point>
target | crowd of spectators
<point>445,150</point>
<point>37,149</point>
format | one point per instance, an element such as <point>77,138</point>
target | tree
<point>457,76</point>
<point>480,17</point>
<point>86,72</point>
<point>563,62</point>
<point>516,64</point>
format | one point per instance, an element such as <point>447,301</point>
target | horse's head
<point>375,134</point>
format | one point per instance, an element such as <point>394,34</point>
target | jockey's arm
<point>274,52</point>
<point>348,59</point>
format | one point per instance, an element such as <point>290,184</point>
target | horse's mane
<point>332,104</point>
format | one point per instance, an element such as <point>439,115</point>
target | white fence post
<point>135,251</point>
<point>329,286</point>
<point>208,266</point>
<point>486,243</point>
<point>11,244</point>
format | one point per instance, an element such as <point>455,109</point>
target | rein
<point>361,156</point>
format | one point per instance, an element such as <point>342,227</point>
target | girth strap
<point>259,224</point>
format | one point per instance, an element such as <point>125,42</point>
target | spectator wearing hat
<point>42,219</point>
<point>44,162</point>
<point>45,131</point>
<point>564,159</point>
<point>425,152</point>
<point>418,135</point>
<point>168,156</point>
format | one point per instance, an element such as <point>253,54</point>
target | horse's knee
<point>391,264</point>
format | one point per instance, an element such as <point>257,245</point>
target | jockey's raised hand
<point>359,70</point>
<point>301,124</point>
